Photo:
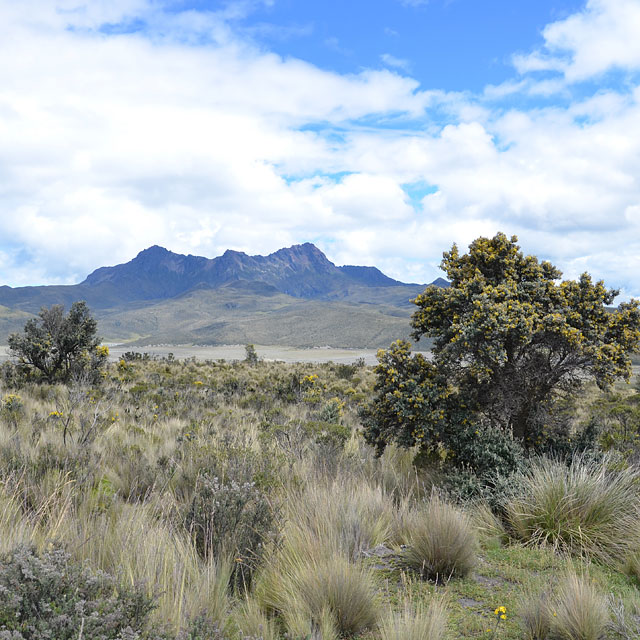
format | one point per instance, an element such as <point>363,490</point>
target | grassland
<point>245,504</point>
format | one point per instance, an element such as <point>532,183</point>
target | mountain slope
<point>235,315</point>
<point>294,296</point>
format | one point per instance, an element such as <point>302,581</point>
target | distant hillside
<point>295,296</point>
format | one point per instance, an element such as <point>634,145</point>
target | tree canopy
<point>509,339</point>
<point>56,346</point>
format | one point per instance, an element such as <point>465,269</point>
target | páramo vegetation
<point>487,490</point>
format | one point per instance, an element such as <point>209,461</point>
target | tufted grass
<point>583,508</point>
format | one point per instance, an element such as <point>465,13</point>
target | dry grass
<point>118,503</point>
<point>442,541</point>
<point>535,615</point>
<point>310,581</point>
<point>415,621</point>
<point>579,610</point>
<point>582,508</point>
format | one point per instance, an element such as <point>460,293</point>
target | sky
<point>383,131</point>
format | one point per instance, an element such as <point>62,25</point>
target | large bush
<point>55,346</point>
<point>50,597</point>
<point>509,340</point>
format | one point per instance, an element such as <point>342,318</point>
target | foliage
<point>251,355</point>
<point>614,419</point>
<point>415,405</point>
<point>509,342</point>
<point>231,518</point>
<point>50,597</point>
<point>55,346</point>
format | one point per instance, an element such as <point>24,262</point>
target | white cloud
<point>602,37</point>
<point>113,143</point>
<point>392,61</point>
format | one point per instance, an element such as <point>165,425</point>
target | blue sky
<point>383,131</point>
<point>453,45</point>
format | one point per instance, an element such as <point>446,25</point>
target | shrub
<point>251,355</point>
<point>231,518</point>
<point>12,409</point>
<point>442,542</point>
<point>582,508</point>
<point>415,622</point>
<point>49,597</point>
<point>56,346</point>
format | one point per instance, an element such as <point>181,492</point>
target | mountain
<point>302,271</point>
<point>169,297</point>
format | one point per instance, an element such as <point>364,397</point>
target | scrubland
<point>225,500</point>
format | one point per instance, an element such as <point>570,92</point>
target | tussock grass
<point>442,542</point>
<point>136,544</point>
<point>311,583</point>
<point>582,508</point>
<point>118,501</point>
<point>252,621</point>
<point>579,610</point>
<point>353,515</point>
<point>415,621</point>
<point>488,525</point>
<point>535,615</point>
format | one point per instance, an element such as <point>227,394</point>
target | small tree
<point>250,354</point>
<point>510,340</point>
<point>56,346</point>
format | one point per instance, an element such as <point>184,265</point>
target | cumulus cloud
<point>602,37</point>
<point>123,126</point>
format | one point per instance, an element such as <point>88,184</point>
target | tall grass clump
<point>535,615</point>
<point>581,508</point>
<point>252,621</point>
<point>361,518</point>
<point>579,611</point>
<point>576,610</point>
<point>312,584</point>
<point>415,622</point>
<point>442,542</point>
<point>138,546</point>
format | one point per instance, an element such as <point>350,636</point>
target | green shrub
<point>12,409</point>
<point>49,597</point>
<point>582,508</point>
<point>231,518</point>
<point>441,542</point>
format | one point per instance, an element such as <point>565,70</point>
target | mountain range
<point>295,296</point>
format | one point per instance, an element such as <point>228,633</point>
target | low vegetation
<point>239,500</point>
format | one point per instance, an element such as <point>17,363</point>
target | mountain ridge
<point>235,294</point>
